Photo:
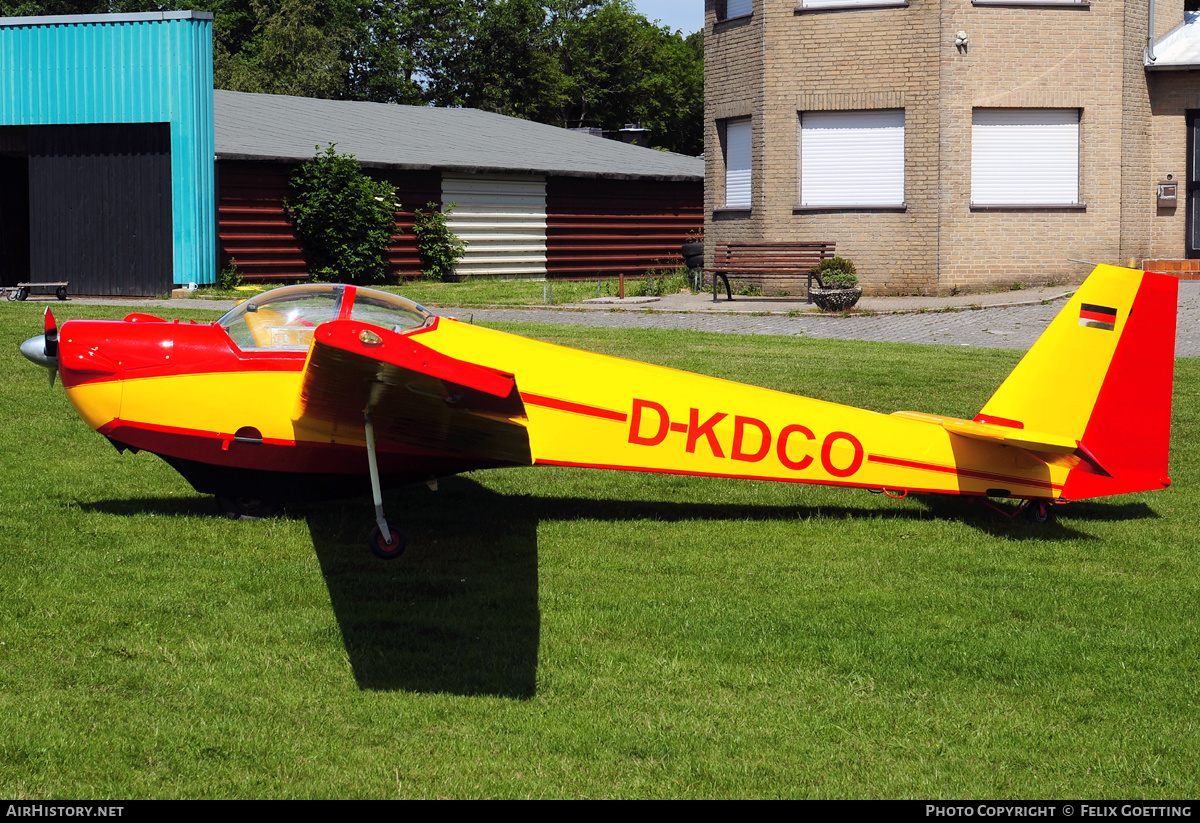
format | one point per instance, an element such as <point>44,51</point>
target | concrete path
<point>997,320</point>
<point>1010,320</point>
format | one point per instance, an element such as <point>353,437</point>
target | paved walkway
<point>1011,320</point>
<point>998,320</point>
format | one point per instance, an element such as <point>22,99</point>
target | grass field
<point>564,633</point>
<point>477,292</point>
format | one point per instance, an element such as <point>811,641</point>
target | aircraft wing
<point>420,400</point>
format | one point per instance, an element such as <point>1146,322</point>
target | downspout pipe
<point>1150,58</point>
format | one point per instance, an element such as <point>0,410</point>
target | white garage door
<point>502,220</point>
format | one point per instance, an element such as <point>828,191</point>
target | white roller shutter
<point>822,4</point>
<point>852,158</point>
<point>738,8</point>
<point>502,220</point>
<point>1024,157</point>
<point>737,163</point>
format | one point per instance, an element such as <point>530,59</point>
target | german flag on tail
<point>1097,317</point>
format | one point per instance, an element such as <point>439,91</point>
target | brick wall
<point>1074,57</point>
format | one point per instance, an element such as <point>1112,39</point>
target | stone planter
<point>836,299</point>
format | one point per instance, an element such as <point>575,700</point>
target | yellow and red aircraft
<point>304,388</point>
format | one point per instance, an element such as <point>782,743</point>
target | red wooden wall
<point>606,227</point>
<point>253,229</point>
<point>594,226</point>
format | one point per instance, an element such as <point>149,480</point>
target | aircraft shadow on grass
<point>459,613</point>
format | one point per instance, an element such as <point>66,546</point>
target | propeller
<point>43,349</point>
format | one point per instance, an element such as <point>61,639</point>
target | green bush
<point>344,219</point>
<point>230,277</point>
<point>836,273</point>
<point>439,247</point>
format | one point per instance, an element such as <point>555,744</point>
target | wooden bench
<point>767,260</point>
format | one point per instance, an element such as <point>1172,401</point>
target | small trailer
<point>21,290</point>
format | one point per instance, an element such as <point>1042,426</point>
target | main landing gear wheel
<point>392,548</point>
<point>22,293</point>
<point>1038,511</point>
<point>244,507</point>
<point>61,293</point>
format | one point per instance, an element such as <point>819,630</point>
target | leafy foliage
<point>344,219</point>
<point>230,276</point>
<point>439,247</point>
<point>836,273</point>
<point>296,48</point>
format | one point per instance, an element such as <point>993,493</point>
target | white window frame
<point>852,159</point>
<point>1025,158</point>
<point>738,155</point>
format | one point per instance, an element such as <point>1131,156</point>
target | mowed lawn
<point>565,633</point>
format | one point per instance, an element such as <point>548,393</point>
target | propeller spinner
<point>43,349</point>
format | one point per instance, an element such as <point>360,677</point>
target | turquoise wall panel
<point>126,68</point>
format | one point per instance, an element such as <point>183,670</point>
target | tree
<point>515,68</point>
<point>579,63</point>
<point>344,219</point>
<point>296,47</point>
<point>623,69</point>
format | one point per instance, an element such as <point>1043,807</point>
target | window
<point>1024,157</point>
<point>727,9</point>
<point>845,4</point>
<point>852,158</point>
<point>737,163</point>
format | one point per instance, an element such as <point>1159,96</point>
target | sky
<point>686,15</point>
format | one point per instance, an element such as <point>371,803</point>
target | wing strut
<point>385,541</point>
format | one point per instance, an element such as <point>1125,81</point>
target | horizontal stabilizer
<point>1007,435</point>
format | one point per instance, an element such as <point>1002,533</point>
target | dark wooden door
<point>100,207</point>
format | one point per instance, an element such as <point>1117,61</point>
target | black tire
<point>696,261</point>
<point>1038,511</point>
<point>390,550</point>
<point>692,249</point>
<point>22,292</point>
<point>243,507</point>
<point>61,294</point>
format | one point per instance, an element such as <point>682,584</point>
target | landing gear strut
<point>384,541</point>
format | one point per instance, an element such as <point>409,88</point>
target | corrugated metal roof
<point>1180,47</point>
<point>278,127</point>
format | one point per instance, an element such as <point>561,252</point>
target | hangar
<point>122,171</point>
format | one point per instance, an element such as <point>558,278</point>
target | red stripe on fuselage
<point>955,470</point>
<point>813,480</point>
<point>577,408</point>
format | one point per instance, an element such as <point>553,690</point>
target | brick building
<point>952,145</point>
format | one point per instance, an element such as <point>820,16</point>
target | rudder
<point>1102,374</point>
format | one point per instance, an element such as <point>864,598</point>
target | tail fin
<point>1101,374</point>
